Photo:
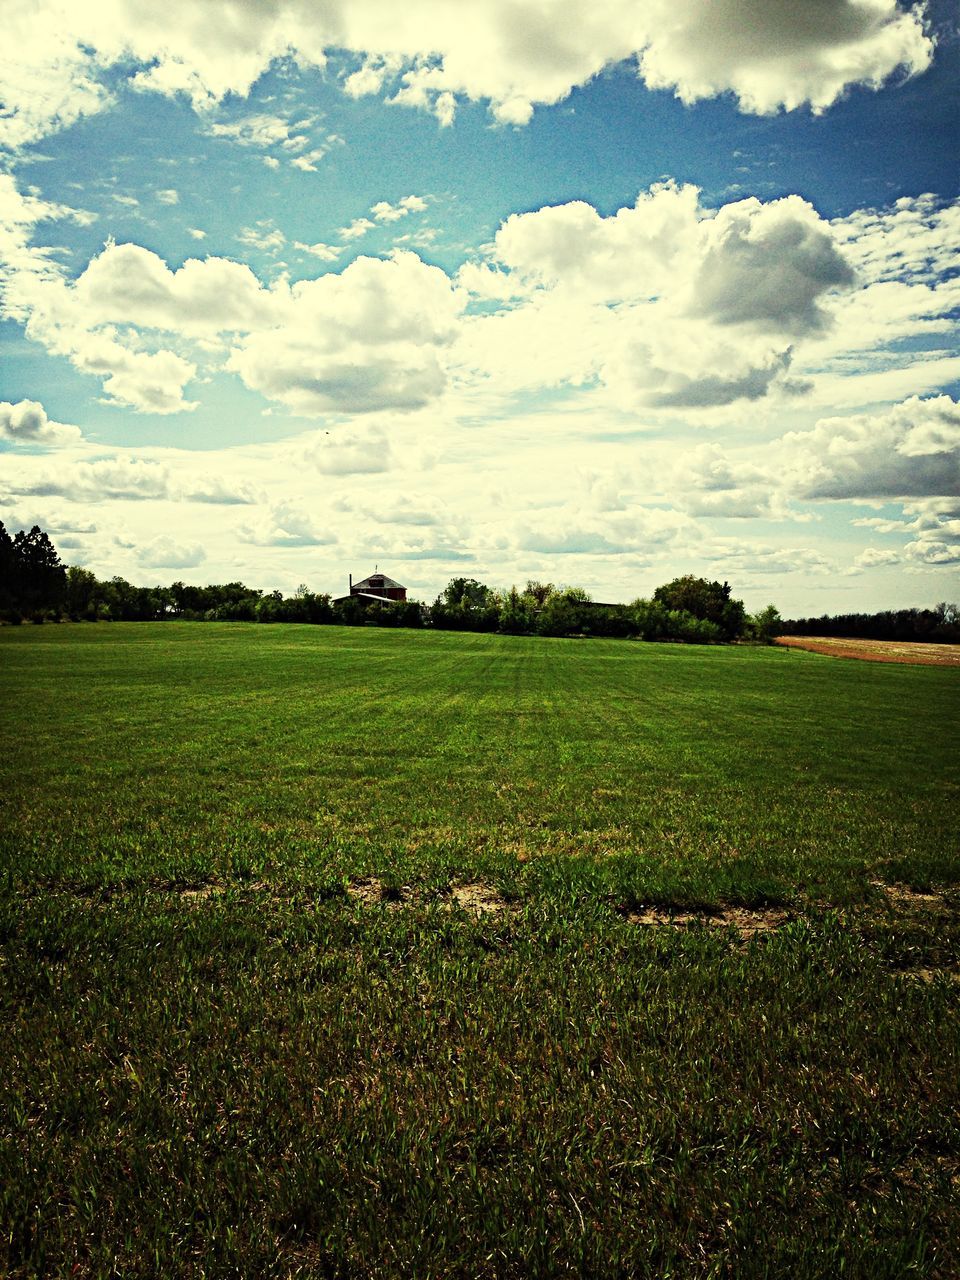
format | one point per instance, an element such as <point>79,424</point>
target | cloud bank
<point>770,54</point>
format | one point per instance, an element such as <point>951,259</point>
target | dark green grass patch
<point>252,1031</point>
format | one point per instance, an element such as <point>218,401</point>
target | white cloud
<point>671,305</point>
<point>286,524</point>
<point>384,211</point>
<point>217,490</point>
<point>108,478</point>
<point>359,453</point>
<point>164,552</point>
<point>358,227</point>
<point>875,558</point>
<point>917,239</point>
<point>935,554</point>
<point>264,236</point>
<point>768,266</point>
<point>366,339</point>
<point>777,54</point>
<point>325,252</point>
<point>36,294</point>
<point>27,423</point>
<point>771,54</point>
<point>404,512</point>
<point>168,196</point>
<point>127,284</point>
<point>308,162</point>
<point>196,233</point>
<point>911,450</point>
<point>259,130</point>
<point>710,484</point>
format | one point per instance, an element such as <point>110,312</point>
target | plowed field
<point>929,655</point>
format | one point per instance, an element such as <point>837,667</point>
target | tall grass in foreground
<point>223,1062</point>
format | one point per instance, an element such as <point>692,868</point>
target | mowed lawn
<point>324,954</point>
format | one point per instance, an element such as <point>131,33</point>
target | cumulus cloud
<point>286,524</point>
<point>366,339</point>
<point>710,484</point>
<point>771,54</point>
<point>932,526</point>
<point>633,531</point>
<point>775,54</point>
<point>357,228</point>
<point>670,304</point>
<point>37,295</point>
<point>164,552</point>
<point>325,252</point>
<point>362,453</point>
<point>911,450</point>
<point>768,266</point>
<point>127,284</point>
<point>935,554</point>
<point>404,512</point>
<point>107,478</point>
<point>27,423</point>
<point>384,211</point>
<point>875,558</point>
<point>264,236</point>
<point>217,490</point>
<point>128,478</point>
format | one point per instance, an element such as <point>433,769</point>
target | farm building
<point>377,587</point>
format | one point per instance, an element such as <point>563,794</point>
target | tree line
<point>35,585</point>
<point>941,624</point>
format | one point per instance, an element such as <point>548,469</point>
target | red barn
<point>377,587</point>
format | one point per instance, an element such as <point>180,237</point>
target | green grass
<point>281,1079</point>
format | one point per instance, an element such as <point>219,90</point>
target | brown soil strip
<point>904,651</point>
<point>747,923</point>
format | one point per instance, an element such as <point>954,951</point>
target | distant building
<point>378,587</point>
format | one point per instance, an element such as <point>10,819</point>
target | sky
<point>592,294</point>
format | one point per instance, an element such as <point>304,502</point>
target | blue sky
<point>292,289</point>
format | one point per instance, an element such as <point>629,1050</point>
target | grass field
<point>346,952</point>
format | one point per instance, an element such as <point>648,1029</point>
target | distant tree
<point>706,600</point>
<point>539,592</point>
<point>465,605</point>
<point>467,593</point>
<point>765,625</point>
<point>40,579</point>
<point>81,593</point>
<point>516,612</point>
<point>566,612</point>
<point>940,624</point>
<point>8,561</point>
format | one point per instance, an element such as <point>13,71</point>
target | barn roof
<point>377,582</point>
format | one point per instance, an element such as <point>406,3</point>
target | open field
<point>934,655</point>
<point>346,952</point>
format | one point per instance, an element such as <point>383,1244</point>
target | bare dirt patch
<point>479,899</point>
<point>372,892</point>
<point>950,972</point>
<point>192,894</point>
<point>928,655</point>
<point>748,923</point>
<point>906,900</point>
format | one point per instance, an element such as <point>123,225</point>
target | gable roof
<point>377,582</point>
